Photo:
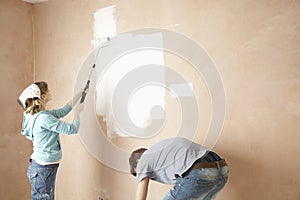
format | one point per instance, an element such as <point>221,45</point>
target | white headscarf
<point>30,92</point>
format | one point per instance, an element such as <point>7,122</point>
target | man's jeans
<point>42,180</point>
<point>199,184</point>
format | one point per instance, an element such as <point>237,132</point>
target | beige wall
<point>255,45</point>
<point>16,71</point>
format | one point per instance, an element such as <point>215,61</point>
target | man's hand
<point>142,189</point>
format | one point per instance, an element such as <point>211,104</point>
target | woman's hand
<point>77,110</point>
<point>76,97</point>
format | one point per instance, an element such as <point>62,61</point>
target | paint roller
<point>104,43</point>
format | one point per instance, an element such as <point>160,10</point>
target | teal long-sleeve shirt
<point>43,128</point>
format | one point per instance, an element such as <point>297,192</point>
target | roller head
<point>101,42</point>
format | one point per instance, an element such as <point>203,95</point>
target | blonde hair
<point>35,105</point>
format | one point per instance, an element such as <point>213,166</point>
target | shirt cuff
<point>67,107</point>
<point>76,123</point>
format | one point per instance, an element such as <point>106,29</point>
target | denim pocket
<point>194,181</point>
<point>32,177</point>
<point>45,172</point>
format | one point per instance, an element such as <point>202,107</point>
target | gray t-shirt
<point>168,158</point>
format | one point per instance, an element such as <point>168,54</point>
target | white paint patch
<point>104,24</point>
<point>181,90</point>
<point>172,25</point>
<point>145,98</point>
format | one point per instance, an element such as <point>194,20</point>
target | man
<point>196,172</point>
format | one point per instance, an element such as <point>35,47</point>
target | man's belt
<point>200,165</point>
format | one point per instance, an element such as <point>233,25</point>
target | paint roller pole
<point>87,85</point>
<point>104,43</point>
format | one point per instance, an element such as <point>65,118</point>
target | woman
<point>43,128</point>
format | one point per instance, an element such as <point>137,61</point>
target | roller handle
<point>84,91</point>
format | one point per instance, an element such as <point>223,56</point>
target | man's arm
<point>142,189</point>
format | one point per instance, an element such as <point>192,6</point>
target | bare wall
<point>16,72</point>
<point>255,45</point>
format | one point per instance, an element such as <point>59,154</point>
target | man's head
<point>134,158</point>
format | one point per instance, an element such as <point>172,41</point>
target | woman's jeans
<point>42,180</point>
<point>201,184</point>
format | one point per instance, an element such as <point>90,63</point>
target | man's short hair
<point>135,155</point>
